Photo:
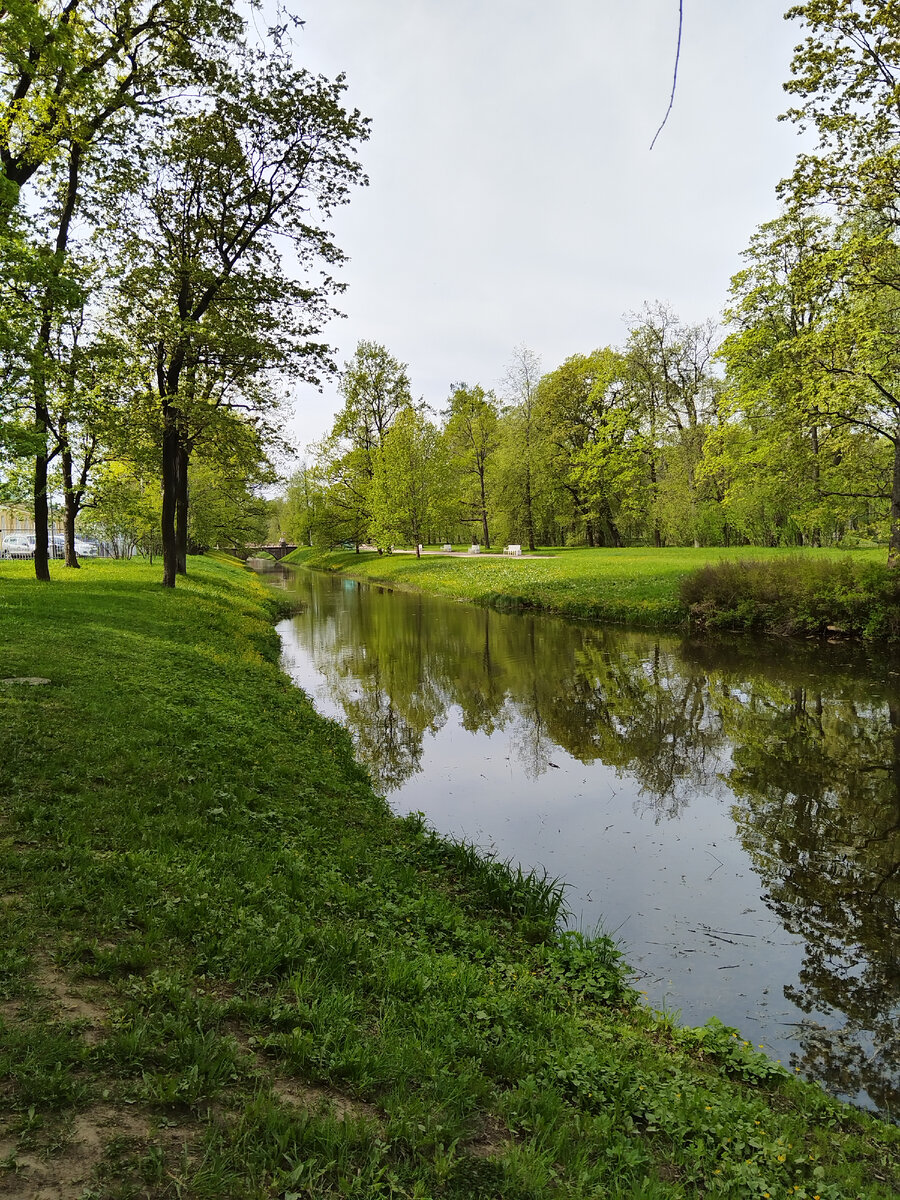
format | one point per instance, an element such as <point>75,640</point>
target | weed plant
<point>223,953</point>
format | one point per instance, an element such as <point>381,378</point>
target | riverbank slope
<point>227,970</point>
<point>636,586</point>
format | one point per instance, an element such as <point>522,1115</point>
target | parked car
<point>84,548</point>
<point>18,545</point>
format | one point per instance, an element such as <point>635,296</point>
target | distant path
<point>469,554</point>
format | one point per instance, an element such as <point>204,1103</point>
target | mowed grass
<point>637,586</point>
<point>226,970</point>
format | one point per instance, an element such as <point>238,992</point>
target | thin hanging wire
<point>675,77</point>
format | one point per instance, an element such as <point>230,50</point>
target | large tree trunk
<point>181,509</point>
<point>657,532</point>
<point>41,408</point>
<point>484,520</point>
<point>41,521</point>
<point>69,494</point>
<point>614,535</point>
<point>529,515</point>
<point>169,472</point>
<point>71,513</point>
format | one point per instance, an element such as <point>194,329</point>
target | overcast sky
<point>513,197</point>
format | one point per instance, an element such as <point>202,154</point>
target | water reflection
<point>789,758</point>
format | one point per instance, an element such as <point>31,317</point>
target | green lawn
<point>636,586</point>
<point>227,971</point>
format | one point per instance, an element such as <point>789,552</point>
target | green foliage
<point>298,992</point>
<point>472,437</point>
<point>409,483</point>
<point>590,968</point>
<point>636,586</point>
<point>796,595</point>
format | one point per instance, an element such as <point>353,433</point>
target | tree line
<point>783,430</point>
<point>678,437</point>
<point>167,270</point>
<point>167,176</point>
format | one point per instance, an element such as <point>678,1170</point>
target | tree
<point>792,467</point>
<point>301,512</point>
<point>69,69</point>
<point>472,438</point>
<point>671,373</point>
<point>375,387</point>
<point>69,76</point>
<point>590,424</point>
<point>227,506</point>
<point>409,494</point>
<point>216,194</point>
<point>125,508</point>
<point>521,425</point>
<point>845,75</point>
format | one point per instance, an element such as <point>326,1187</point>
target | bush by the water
<point>797,595</point>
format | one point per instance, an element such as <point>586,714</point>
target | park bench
<point>476,549</point>
<point>446,547</point>
<point>514,550</point>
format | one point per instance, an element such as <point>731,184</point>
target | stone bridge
<point>278,551</point>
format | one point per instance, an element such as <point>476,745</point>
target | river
<point>729,810</point>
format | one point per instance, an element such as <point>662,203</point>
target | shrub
<point>796,595</point>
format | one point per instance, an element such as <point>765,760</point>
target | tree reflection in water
<point>804,744</point>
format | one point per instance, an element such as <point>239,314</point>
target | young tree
<point>671,367</point>
<point>409,494</point>
<point>472,439</point>
<point>375,387</point>
<point>522,429</point>
<point>301,512</point>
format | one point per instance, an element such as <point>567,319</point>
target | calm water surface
<point>730,811</point>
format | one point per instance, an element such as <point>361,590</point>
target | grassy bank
<point>227,971</point>
<point>639,586</point>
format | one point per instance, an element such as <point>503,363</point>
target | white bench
<point>476,549</point>
<point>447,548</point>
<point>514,550</point>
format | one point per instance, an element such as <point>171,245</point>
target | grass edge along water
<point>809,592</point>
<point>231,970</point>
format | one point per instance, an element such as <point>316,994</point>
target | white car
<point>85,549</point>
<point>18,545</point>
